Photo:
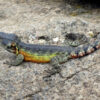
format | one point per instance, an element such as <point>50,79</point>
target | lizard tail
<point>86,49</point>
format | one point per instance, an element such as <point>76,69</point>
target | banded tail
<point>86,49</point>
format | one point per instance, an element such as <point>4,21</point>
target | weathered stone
<point>30,19</point>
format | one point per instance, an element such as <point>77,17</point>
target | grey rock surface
<point>81,77</point>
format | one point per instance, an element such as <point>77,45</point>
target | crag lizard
<point>55,55</point>
<point>47,53</point>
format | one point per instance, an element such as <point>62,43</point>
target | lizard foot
<point>52,72</point>
<point>8,63</point>
<point>19,59</point>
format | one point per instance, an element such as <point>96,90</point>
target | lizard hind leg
<point>59,59</point>
<point>56,63</point>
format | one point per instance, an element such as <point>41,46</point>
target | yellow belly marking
<point>37,58</point>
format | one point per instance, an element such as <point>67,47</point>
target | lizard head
<point>12,47</point>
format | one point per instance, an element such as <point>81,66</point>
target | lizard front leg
<point>19,59</point>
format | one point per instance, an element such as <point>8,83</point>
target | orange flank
<point>73,55</point>
<point>36,57</point>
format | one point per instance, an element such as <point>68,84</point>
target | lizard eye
<point>11,46</point>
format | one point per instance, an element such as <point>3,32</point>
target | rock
<point>30,19</point>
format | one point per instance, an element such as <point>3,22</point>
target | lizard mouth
<point>10,50</point>
<point>7,44</point>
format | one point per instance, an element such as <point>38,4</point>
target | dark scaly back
<point>6,38</point>
<point>36,48</point>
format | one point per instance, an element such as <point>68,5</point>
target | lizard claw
<point>52,72</point>
<point>8,63</point>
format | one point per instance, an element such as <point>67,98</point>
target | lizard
<point>49,53</point>
<point>55,55</point>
